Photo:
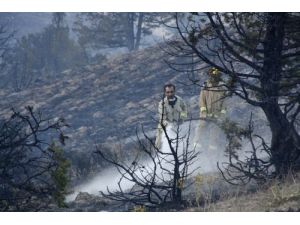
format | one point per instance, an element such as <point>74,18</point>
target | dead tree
<point>6,39</point>
<point>254,166</point>
<point>27,162</point>
<point>158,177</point>
<point>258,55</point>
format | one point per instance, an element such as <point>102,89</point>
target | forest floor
<point>277,195</point>
<point>210,193</point>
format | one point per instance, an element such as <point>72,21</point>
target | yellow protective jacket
<point>211,100</point>
<point>168,114</point>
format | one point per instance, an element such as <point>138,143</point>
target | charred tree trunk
<point>284,142</point>
<point>130,31</point>
<point>177,193</point>
<point>285,139</point>
<point>139,31</point>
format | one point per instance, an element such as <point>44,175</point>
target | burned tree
<point>158,176</point>
<point>258,54</point>
<point>30,167</point>
<point>6,39</point>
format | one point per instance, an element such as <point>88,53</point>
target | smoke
<point>205,137</point>
<point>208,140</point>
<point>108,178</point>
<point>211,146</point>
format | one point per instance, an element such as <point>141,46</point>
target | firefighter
<point>172,110</point>
<point>212,109</point>
<point>212,96</point>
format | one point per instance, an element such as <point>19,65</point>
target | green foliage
<point>234,134</point>
<point>60,174</point>
<point>115,30</point>
<point>48,52</point>
<point>32,174</point>
<point>51,50</point>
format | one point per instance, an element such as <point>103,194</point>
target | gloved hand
<point>183,115</point>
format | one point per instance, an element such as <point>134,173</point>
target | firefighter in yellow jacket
<point>211,100</point>
<point>171,110</point>
<point>212,108</point>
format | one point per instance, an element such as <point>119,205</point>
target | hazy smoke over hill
<point>211,153</point>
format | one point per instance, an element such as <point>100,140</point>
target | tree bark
<point>130,31</point>
<point>285,139</point>
<point>139,31</point>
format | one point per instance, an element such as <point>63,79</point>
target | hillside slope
<point>102,102</point>
<point>106,102</point>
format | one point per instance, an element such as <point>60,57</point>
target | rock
<point>89,203</point>
<point>84,197</point>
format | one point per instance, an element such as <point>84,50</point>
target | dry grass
<point>274,196</point>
